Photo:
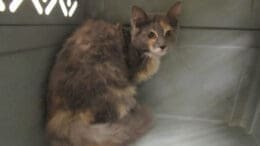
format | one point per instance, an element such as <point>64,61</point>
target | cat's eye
<point>168,33</point>
<point>151,35</point>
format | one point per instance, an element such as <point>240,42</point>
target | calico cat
<point>92,86</point>
<point>149,38</point>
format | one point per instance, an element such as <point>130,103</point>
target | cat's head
<point>151,33</point>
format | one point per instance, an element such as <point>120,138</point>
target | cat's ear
<point>118,26</point>
<point>138,17</point>
<point>174,12</point>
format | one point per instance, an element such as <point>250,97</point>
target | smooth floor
<point>169,131</point>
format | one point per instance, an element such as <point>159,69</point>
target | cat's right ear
<point>174,12</point>
<point>138,17</point>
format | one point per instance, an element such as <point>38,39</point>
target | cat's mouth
<point>159,51</point>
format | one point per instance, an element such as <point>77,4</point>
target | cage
<point>205,93</point>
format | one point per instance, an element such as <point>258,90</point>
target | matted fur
<point>91,101</point>
<point>73,130</point>
<point>92,86</point>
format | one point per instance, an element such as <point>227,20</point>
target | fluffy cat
<point>92,87</point>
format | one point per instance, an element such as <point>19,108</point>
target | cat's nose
<point>163,47</point>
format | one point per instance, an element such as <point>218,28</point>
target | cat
<point>149,38</point>
<point>92,86</point>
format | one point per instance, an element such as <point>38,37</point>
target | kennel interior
<point>205,94</point>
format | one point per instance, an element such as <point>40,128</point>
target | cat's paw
<point>125,107</point>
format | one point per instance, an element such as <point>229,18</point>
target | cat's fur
<point>92,87</point>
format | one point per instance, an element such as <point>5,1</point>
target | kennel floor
<point>170,131</point>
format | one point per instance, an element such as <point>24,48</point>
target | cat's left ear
<point>174,13</point>
<point>118,26</point>
<point>138,17</point>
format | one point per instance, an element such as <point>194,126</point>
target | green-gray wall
<point>28,44</point>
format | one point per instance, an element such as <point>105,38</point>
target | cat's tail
<point>66,131</point>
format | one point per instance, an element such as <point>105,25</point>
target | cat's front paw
<point>124,108</point>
